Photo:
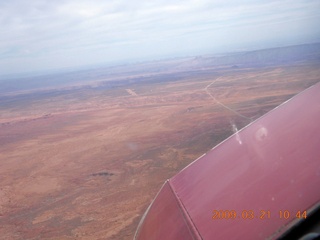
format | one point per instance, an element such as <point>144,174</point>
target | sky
<point>41,35</point>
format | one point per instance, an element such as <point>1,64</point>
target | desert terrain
<point>85,161</point>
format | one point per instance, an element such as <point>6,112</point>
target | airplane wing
<point>258,184</point>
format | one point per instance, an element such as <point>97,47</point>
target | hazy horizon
<point>41,36</point>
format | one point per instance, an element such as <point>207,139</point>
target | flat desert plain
<point>85,162</point>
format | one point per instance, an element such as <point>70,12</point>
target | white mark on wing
<point>236,131</point>
<point>261,134</point>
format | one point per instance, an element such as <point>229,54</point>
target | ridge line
<point>187,217</point>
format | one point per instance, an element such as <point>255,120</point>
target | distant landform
<point>109,77</point>
<point>84,153</point>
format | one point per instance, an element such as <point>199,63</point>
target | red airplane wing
<point>254,185</point>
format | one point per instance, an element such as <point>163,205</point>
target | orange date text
<point>260,214</point>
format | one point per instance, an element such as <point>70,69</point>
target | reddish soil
<point>86,163</point>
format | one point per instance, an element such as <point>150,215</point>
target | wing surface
<point>241,188</point>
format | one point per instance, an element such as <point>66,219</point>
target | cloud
<point>64,31</point>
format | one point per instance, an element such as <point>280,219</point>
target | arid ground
<point>85,162</point>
